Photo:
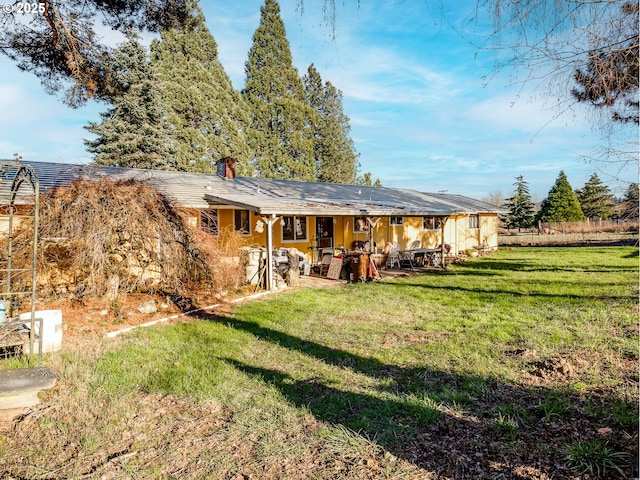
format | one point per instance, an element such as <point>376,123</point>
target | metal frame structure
<point>18,279</point>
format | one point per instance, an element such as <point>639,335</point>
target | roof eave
<point>213,199</point>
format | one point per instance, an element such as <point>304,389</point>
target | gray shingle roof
<point>265,196</point>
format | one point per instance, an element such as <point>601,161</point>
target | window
<point>431,223</point>
<point>241,222</point>
<point>360,224</point>
<point>209,221</point>
<point>294,229</point>
<point>396,221</point>
<point>474,221</point>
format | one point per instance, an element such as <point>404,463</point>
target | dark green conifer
<point>335,156</point>
<point>561,204</point>
<point>133,132</point>
<point>281,133</point>
<point>520,206</point>
<point>209,117</point>
<point>366,180</point>
<point>596,199</point>
<point>629,207</point>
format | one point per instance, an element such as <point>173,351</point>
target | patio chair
<point>407,257</point>
<point>393,256</point>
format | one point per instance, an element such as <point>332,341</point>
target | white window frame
<point>205,217</point>
<point>296,222</point>
<point>396,221</point>
<point>474,222</point>
<point>238,228</point>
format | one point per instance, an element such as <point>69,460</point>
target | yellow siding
<point>486,235</point>
<point>490,230</point>
<point>456,233</point>
<point>405,234</point>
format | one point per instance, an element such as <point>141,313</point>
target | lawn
<point>522,364</point>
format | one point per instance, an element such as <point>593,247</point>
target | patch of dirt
<point>96,317</point>
<point>578,367</point>
<point>554,367</point>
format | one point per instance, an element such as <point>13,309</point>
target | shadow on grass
<point>486,265</point>
<point>454,425</point>
<point>478,290</point>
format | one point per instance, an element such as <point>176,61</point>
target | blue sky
<point>422,113</point>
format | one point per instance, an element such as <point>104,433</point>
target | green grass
<point>596,458</point>
<point>504,348</point>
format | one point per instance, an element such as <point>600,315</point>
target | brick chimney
<point>226,168</point>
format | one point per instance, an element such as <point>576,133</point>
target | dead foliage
<point>99,238</point>
<point>222,253</point>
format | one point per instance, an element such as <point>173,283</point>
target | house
<point>307,216</point>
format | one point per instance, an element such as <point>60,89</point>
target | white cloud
<point>510,111</point>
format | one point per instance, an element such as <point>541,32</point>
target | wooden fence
<point>605,232</point>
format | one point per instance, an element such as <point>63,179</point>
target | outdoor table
<point>417,256</point>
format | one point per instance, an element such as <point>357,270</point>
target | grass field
<point>522,364</point>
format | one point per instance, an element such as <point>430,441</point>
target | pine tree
<point>281,134</point>
<point>596,199</point>
<point>520,206</point>
<point>133,132</point>
<point>561,204</point>
<point>335,156</point>
<point>629,206</point>
<point>366,180</point>
<point>208,115</point>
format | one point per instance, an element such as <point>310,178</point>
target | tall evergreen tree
<point>335,156</point>
<point>210,118</point>
<point>281,134</point>
<point>366,180</point>
<point>561,204</point>
<point>596,199</point>
<point>629,206</point>
<point>520,206</point>
<point>133,132</point>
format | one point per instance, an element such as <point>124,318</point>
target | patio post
<point>442,233</point>
<point>270,221</point>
